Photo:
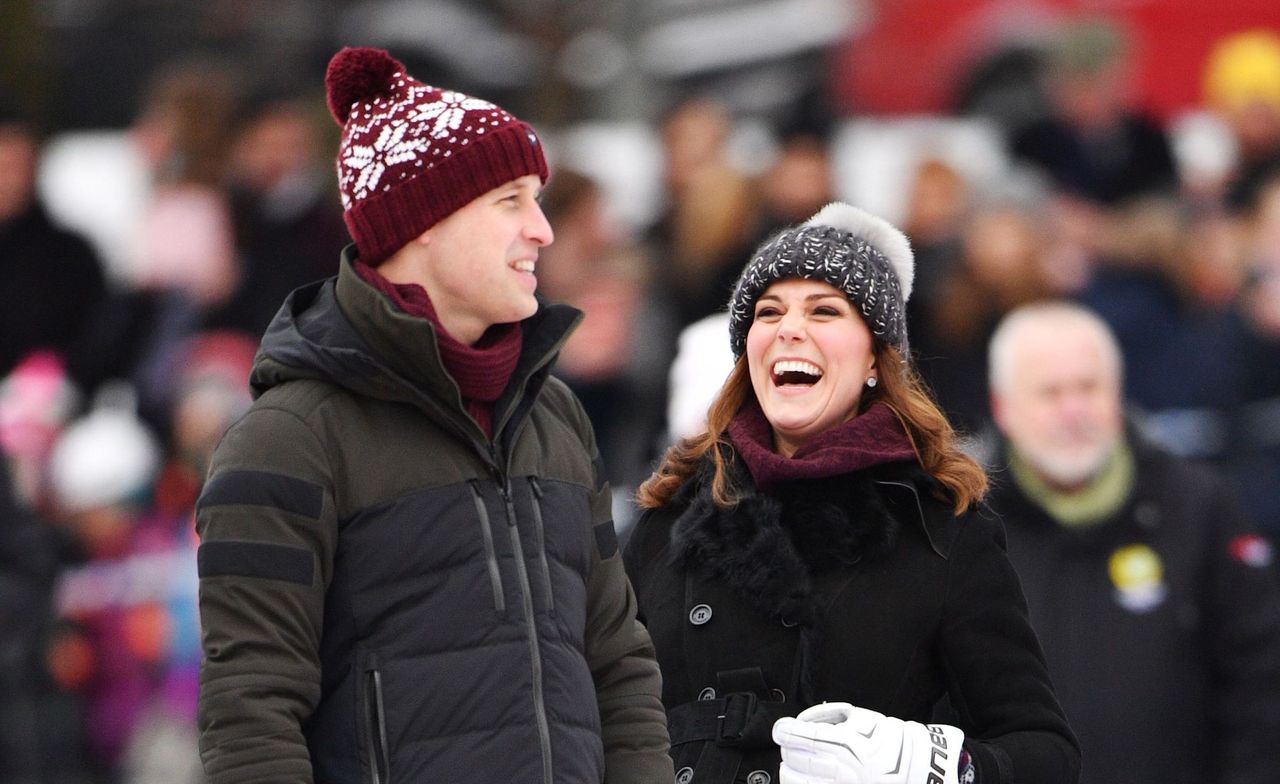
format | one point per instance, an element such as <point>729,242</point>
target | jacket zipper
<point>539,531</point>
<point>375,726</point>
<point>490,552</point>
<point>502,471</point>
<point>531,625</point>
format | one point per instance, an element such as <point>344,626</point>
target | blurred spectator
<point>710,212</point>
<point>185,243</point>
<point>613,361</point>
<point>101,473</point>
<point>1148,589</point>
<point>41,723</point>
<point>36,400</point>
<point>1001,266</point>
<point>124,629</point>
<point>52,281</point>
<point>1095,145</point>
<point>1169,290</point>
<point>182,249</point>
<point>1242,84</point>
<point>105,182</point>
<point>211,393</point>
<point>288,226</point>
<point>938,202</point>
<point>1257,436</point>
<point>799,182</point>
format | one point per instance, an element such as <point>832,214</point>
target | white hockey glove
<point>836,743</point>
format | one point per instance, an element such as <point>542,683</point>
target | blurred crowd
<point>141,265</point>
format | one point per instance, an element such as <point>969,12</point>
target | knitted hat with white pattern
<point>411,154</point>
<point>858,253</point>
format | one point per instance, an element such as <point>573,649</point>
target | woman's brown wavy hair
<point>899,387</point>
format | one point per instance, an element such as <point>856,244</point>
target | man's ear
<point>997,411</point>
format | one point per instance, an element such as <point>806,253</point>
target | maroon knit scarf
<point>874,437</point>
<point>483,370</point>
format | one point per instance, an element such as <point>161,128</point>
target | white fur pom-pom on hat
<point>865,257</point>
<point>878,232</point>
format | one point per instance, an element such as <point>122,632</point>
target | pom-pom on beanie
<point>860,254</point>
<point>411,154</point>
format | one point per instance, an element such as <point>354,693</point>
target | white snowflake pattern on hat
<point>370,161</point>
<point>448,112</point>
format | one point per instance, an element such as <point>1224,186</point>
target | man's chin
<point>1069,470</point>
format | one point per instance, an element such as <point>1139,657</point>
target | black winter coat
<point>1161,626</point>
<point>53,286</point>
<point>863,588</point>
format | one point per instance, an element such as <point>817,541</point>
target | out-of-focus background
<point>166,178</point>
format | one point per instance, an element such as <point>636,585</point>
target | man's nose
<point>538,229</point>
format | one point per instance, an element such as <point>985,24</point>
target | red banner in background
<point>913,56</point>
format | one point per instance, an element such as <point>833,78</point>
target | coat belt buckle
<point>734,719</point>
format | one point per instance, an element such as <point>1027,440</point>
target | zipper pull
<point>511,507</point>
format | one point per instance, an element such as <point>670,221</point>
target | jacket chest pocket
<point>485,522</point>
<point>534,540</point>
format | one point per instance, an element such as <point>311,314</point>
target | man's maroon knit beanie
<point>411,154</point>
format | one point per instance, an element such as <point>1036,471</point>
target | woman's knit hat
<point>861,255</point>
<point>411,154</point>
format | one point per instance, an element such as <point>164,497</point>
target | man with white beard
<point>1153,598</point>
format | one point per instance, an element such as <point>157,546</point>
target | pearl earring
<point>871,382</point>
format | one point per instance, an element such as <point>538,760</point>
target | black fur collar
<point>769,547</point>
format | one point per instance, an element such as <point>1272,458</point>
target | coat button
<point>700,615</point>
<point>684,776</point>
<point>707,694</point>
<point>758,777</point>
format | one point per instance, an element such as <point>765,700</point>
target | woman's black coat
<point>863,588</point>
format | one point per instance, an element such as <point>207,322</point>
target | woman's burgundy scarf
<point>874,437</point>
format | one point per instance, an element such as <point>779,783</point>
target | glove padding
<point>836,743</point>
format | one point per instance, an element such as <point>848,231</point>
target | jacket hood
<point>309,337</point>
<point>343,331</point>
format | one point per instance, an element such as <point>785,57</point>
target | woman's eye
<point>826,311</point>
<point>766,312</point>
